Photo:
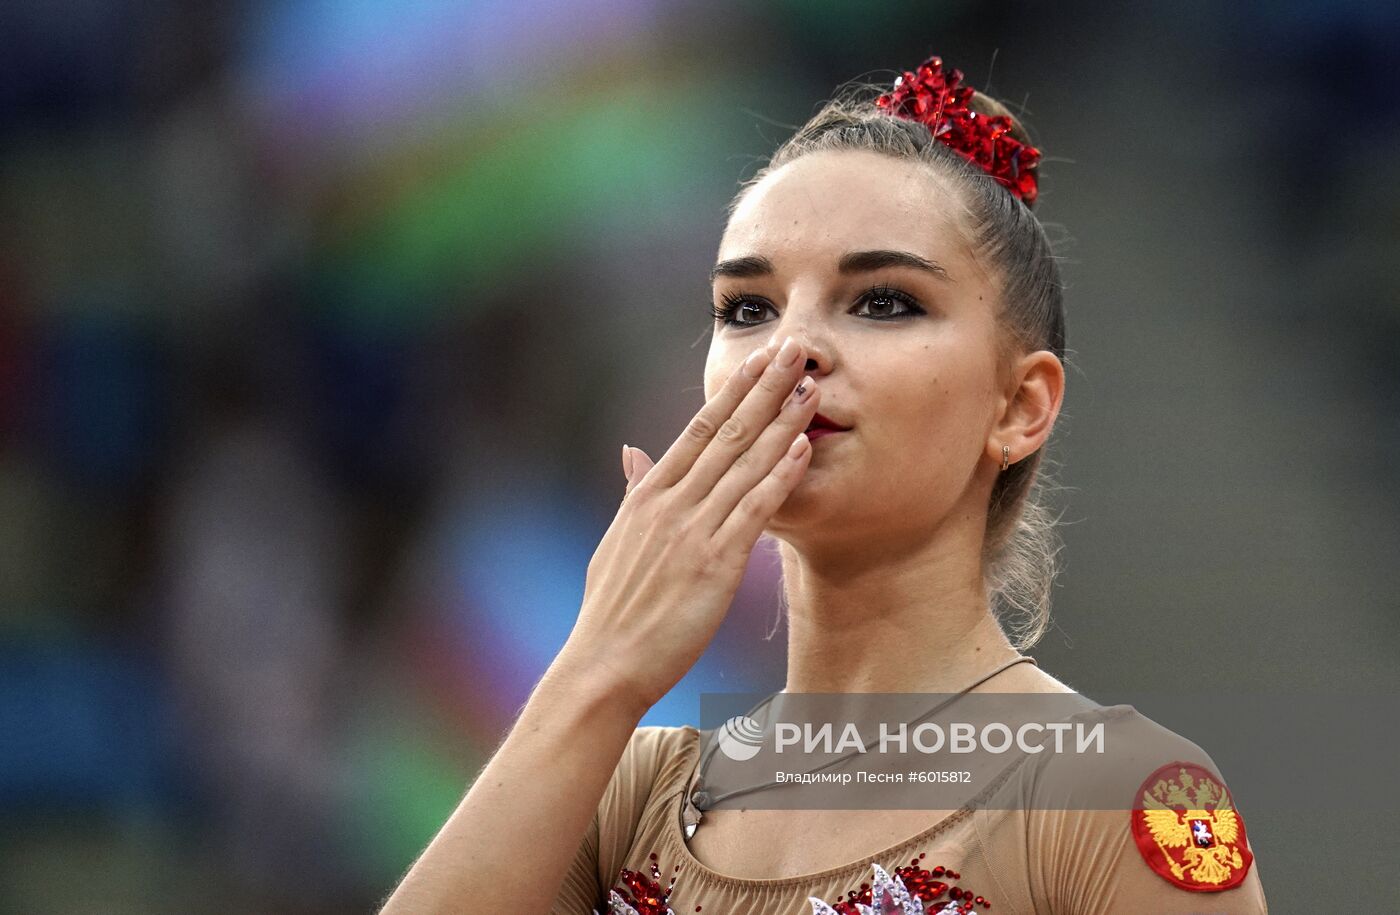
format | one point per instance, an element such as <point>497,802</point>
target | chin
<point>809,502</point>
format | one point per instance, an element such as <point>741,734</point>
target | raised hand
<point>665,573</point>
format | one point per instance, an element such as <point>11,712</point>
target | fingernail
<point>756,363</point>
<point>627,460</point>
<point>804,390</point>
<point>788,354</point>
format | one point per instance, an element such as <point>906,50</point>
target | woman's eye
<point>890,305</point>
<point>747,313</point>
<point>738,312</point>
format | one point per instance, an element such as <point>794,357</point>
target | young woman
<point>886,368</point>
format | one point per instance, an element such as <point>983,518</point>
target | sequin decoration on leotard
<point>904,893</point>
<point>639,895</point>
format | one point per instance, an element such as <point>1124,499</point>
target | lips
<point>823,425</point>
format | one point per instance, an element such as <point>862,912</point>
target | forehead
<point>827,203</point>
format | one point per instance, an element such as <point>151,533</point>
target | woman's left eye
<point>883,300</point>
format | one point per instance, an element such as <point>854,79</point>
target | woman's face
<point>902,345</point>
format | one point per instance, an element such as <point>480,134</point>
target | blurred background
<point>322,325</point>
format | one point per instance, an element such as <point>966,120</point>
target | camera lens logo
<point>740,738</point>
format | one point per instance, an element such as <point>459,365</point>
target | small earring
<point>1005,456</point>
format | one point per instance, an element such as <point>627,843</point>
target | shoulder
<point>657,745</point>
<point>1107,755</point>
<point>655,759</point>
<point>1145,816</point>
<point>662,738</point>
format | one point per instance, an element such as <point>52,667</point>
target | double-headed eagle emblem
<point>1189,831</point>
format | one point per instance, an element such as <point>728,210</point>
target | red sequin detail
<point>935,98</point>
<point>922,884</point>
<point>646,895</point>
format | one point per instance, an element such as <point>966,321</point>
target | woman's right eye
<point>730,306</point>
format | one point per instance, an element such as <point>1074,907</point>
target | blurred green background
<point>322,324</point>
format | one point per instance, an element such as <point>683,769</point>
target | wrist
<point>579,675</point>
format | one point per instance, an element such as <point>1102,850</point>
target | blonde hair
<point>1019,556</point>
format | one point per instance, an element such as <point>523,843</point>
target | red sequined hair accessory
<point>936,98</point>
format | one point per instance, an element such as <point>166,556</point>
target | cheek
<point>721,362</point>
<point>922,412</point>
<point>718,364</point>
<point>926,414</point>
<point>714,380</point>
<point>902,431</point>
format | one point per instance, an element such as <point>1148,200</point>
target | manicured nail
<point>756,363</point>
<point>804,390</point>
<point>788,354</point>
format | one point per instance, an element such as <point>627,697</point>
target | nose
<point>815,349</point>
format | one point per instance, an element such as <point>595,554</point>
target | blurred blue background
<point>322,325</point>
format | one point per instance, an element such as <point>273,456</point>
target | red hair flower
<point>936,98</point>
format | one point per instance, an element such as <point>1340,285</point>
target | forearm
<point>530,806</point>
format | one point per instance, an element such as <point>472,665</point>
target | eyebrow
<point>854,262</point>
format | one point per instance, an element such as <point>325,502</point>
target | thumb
<point>636,464</point>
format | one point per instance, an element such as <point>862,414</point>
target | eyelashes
<point>732,302</point>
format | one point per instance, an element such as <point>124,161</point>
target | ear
<point>1029,407</point>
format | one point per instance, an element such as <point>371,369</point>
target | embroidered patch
<point>1188,831</point>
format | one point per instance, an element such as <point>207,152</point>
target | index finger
<point>702,428</point>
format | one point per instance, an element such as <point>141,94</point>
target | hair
<point>1019,555</point>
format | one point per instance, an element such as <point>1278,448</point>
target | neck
<point>903,623</point>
